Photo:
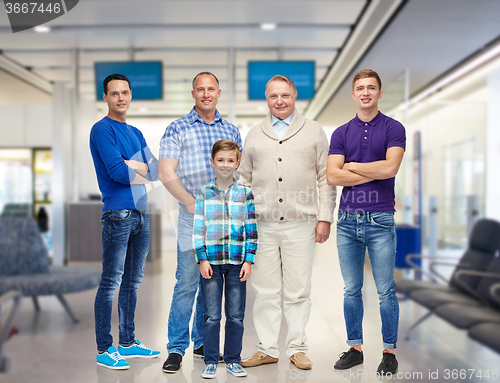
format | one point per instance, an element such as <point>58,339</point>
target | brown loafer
<point>257,359</point>
<point>301,361</point>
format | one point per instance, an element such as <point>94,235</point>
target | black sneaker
<point>349,359</point>
<point>173,363</point>
<point>389,364</point>
<point>198,353</point>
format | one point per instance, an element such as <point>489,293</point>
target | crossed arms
<point>340,173</point>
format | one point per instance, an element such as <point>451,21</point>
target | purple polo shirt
<point>362,142</point>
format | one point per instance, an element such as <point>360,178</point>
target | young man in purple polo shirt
<point>364,158</point>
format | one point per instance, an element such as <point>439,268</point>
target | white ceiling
<point>188,36</point>
<point>426,36</point>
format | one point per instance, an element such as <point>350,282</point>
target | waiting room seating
<point>6,321</point>
<point>488,333</point>
<point>467,286</point>
<point>24,265</point>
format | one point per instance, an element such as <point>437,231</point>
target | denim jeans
<point>224,278</point>
<point>185,289</point>
<point>125,245</point>
<point>375,231</point>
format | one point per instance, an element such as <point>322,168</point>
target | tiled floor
<point>50,348</point>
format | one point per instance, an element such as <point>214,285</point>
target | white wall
<point>26,125</point>
<point>453,126</point>
<point>87,181</point>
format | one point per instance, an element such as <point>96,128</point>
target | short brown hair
<point>366,73</point>
<point>205,73</point>
<point>225,145</point>
<point>278,77</point>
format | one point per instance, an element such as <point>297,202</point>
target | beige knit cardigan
<point>288,175</point>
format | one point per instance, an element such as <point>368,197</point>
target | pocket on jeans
<point>120,214</point>
<point>341,216</point>
<point>385,220</point>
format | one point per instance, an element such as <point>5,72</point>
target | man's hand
<point>322,231</point>
<point>166,173</point>
<point>192,206</point>
<point>205,269</point>
<point>246,269</point>
<point>347,166</point>
<point>339,173</point>
<point>379,170</point>
<point>139,167</point>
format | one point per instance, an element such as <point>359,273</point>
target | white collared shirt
<point>281,126</point>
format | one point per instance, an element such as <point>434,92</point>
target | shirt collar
<point>234,185</point>
<point>287,120</point>
<point>194,116</point>
<point>372,122</point>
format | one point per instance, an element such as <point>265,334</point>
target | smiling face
<point>225,163</point>
<point>206,94</point>
<point>366,93</point>
<point>118,99</point>
<point>280,99</point>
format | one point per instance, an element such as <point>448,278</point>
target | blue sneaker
<point>209,371</point>
<point>137,350</point>
<point>112,359</point>
<point>236,369</point>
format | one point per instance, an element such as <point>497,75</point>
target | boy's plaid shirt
<point>225,228</point>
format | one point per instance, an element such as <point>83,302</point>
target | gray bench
<point>471,299</point>
<point>6,322</point>
<point>25,265</point>
<point>483,245</point>
<point>488,333</point>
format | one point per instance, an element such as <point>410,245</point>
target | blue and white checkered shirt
<point>225,227</point>
<point>189,140</point>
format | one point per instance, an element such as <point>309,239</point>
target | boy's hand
<point>245,271</point>
<point>206,269</point>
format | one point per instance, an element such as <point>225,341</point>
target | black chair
<point>488,334</point>
<point>483,245</point>
<point>462,316</point>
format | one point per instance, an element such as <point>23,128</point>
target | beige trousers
<point>284,259</point>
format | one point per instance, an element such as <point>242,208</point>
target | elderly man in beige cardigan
<point>284,162</point>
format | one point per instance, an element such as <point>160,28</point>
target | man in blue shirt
<point>184,167</point>
<point>123,164</point>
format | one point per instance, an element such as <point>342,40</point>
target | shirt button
<point>365,138</point>
<point>280,142</point>
<point>280,179</point>
<point>366,131</point>
<point>279,159</point>
<point>281,200</point>
<point>282,218</point>
<point>366,124</point>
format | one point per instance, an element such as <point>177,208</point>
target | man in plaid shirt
<point>184,167</point>
<point>225,241</point>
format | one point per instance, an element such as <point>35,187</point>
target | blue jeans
<point>125,245</point>
<point>375,231</point>
<point>185,289</point>
<point>224,278</point>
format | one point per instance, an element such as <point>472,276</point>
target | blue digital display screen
<point>302,73</point>
<point>146,78</point>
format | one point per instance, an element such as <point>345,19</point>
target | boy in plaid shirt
<point>225,241</point>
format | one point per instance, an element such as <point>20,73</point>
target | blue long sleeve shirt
<point>111,143</point>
